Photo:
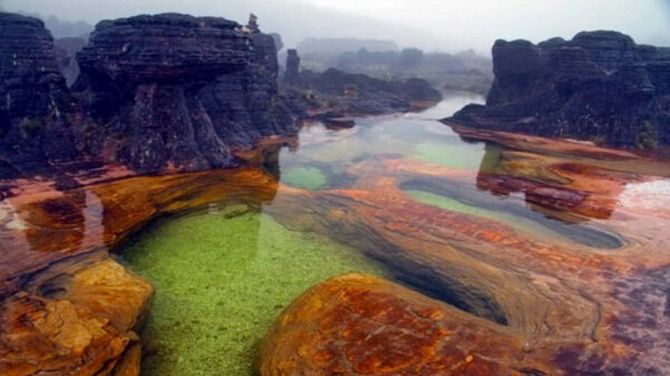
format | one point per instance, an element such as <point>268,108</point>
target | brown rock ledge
<point>362,325</point>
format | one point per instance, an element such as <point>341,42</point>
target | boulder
<point>358,324</point>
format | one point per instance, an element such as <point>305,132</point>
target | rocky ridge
<point>160,93</point>
<point>187,106</point>
<point>599,86</point>
<point>338,93</point>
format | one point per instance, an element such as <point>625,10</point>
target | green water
<point>304,177</point>
<point>453,155</point>
<point>220,282</point>
<point>525,225</point>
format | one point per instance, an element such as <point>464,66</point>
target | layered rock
<point>599,86</point>
<point>359,94</point>
<point>292,74</point>
<point>34,96</point>
<point>357,324</point>
<point>179,92</point>
<point>335,93</point>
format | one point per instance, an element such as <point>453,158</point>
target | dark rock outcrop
<point>292,74</point>
<point>361,94</point>
<point>599,86</point>
<point>34,102</point>
<point>178,92</point>
<point>335,93</point>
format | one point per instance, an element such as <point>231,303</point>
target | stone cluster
<point>168,92</point>
<point>179,92</point>
<point>599,86</point>
<point>339,93</point>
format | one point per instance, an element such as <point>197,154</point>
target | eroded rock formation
<point>358,324</point>
<point>178,92</point>
<point>359,94</point>
<point>160,93</point>
<point>292,74</point>
<point>335,93</point>
<point>599,86</point>
<point>33,97</point>
<point>527,306</point>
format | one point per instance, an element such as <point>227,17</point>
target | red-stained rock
<point>358,324</point>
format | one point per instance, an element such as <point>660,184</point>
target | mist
<point>434,25</point>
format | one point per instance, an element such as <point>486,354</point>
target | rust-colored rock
<point>357,324</point>
<point>66,307</point>
<point>77,321</point>
<point>533,305</point>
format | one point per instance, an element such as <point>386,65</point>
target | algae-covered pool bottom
<point>220,283</point>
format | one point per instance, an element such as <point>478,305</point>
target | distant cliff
<point>155,93</point>
<point>341,93</point>
<point>599,86</point>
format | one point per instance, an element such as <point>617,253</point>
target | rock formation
<point>527,306</point>
<point>599,86</point>
<point>292,74</point>
<point>178,92</point>
<point>358,324</point>
<point>338,92</point>
<point>34,96</point>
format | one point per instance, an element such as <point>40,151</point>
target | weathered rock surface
<point>292,74</point>
<point>335,93</point>
<point>599,86</point>
<point>533,305</point>
<point>78,321</point>
<point>66,306</point>
<point>178,92</point>
<point>360,94</point>
<point>33,126</point>
<point>357,324</point>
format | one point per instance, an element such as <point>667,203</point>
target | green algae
<point>305,177</point>
<point>220,282</point>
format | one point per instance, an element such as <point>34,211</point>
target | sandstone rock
<point>357,94</point>
<point>176,92</point>
<point>33,126</point>
<point>74,320</point>
<point>599,86</point>
<point>292,74</point>
<point>357,324</point>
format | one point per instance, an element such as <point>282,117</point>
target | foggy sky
<point>446,25</point>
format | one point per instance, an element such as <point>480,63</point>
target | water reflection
<point>495,182</point>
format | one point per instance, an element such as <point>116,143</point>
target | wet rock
<point>74,319</point>
<point>358,324</point>
<point>599,86</point>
